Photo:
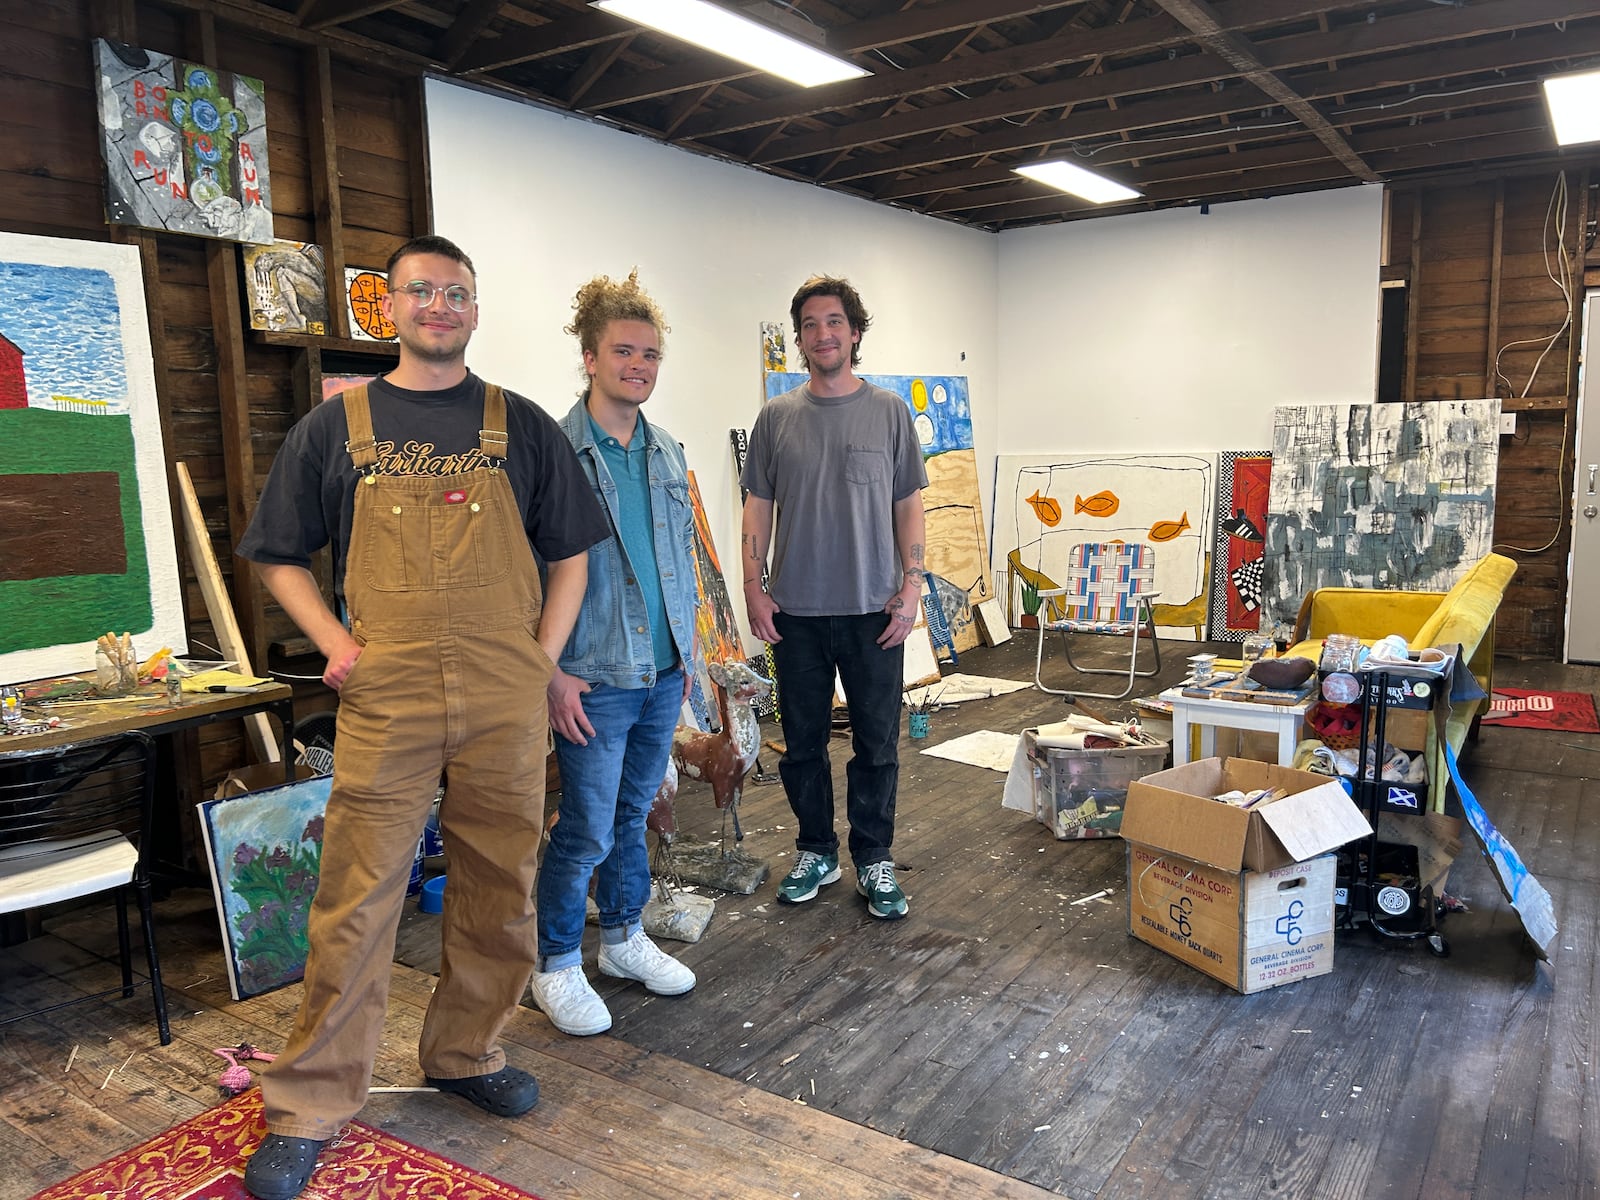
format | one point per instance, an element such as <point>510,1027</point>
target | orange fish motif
<point>1046,509</point>
<point>1101,504</point>
<point>1165,531</point>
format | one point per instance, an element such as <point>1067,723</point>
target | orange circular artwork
<point>367,290</point>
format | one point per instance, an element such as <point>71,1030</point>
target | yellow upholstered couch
<point>1464,615</point>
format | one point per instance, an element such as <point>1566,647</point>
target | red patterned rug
<point>203,1159</point>
<point>1519,708</point>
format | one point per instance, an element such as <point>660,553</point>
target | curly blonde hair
<point>603,300</point>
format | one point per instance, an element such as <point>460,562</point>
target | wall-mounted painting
<point>774,347</point>
<point>1243,479</point>
<point>86,538</point>
<point>264,849</point>
<point>957,551</point>
<point>364,290</point>
<point>185,145</point>
<point>1378,496</point>
<point>1047,504</point>
<point>286,290</point>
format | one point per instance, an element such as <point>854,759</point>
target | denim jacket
<point>610,642</point>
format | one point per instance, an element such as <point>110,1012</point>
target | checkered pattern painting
<point>1106,580</point>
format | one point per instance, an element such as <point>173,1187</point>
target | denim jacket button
<point>641,629</point>
<point>644,678</point>
<point>629,582</point>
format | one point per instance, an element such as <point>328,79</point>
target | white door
<point>1583,589</point>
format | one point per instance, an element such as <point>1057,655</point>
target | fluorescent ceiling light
<point>1069,177</point>
<point>1574,102</point>
<point>733,36</point>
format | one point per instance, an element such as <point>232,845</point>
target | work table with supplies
<point>83,716</point>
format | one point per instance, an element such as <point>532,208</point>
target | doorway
<point>1583,614</point>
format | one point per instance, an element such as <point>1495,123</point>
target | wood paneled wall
<point>1484,263</point>
<point>346,149</point>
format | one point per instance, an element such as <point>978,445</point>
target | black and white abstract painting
<point>1377,496</point>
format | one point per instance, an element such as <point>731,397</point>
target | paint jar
<point>10,704</point>
<point>919,724</point>
<point>1340,652</point>
<point>1255,647</point>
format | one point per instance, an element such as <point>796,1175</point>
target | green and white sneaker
<point>809,873</point>
<point>884,897</point>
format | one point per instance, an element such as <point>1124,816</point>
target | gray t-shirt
<point>834,467</point>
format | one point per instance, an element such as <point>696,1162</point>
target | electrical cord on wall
<point>1556,212</point>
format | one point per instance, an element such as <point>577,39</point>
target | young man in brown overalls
<point>435,491</point>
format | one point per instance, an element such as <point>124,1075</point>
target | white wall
<point>542,202</point>
<point>1174,330</point>
<point>1163,331</point>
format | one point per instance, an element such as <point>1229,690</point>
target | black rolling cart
<point>1380,882</point>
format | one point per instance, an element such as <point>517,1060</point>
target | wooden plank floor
<point>1001,1025</point>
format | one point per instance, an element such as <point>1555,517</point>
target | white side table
<point>1208,716</point>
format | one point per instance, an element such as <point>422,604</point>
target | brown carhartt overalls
<point>444,596</point>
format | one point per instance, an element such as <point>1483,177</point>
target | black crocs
<point>281,1166</point>
<point>507,1093</point>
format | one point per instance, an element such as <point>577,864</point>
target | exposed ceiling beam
<point>1208,29</point>
<point>320,14</point>
<point>1547,45</point>
<point>855,38</point>
<point>1391,34</point>
<point>1156,33</point>
<point>566,33</point>
<point>468,25</point>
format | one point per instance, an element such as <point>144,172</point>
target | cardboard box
<point>1173,810</point>
<point>1078,793</point>
<point>1245,895</point>
<point>1252,930</point>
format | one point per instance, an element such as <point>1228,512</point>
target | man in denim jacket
<point>625,672</point>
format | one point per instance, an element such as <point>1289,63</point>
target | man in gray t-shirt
<point>838,460</point>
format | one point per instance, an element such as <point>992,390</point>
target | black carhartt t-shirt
<point>309,497</point>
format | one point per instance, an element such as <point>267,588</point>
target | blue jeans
<point>811,650</point>
<point>607,788</point>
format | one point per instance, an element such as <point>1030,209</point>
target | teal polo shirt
<point>629,467</point>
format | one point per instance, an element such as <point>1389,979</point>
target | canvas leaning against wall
<point>1243,480</point>
<point>956,549</point>
<point>1047,504</point>
<point>185,145</point>
<point>264,849</point>
<point>1378,496</point>
<point>86,540</point>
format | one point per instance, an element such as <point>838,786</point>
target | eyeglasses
<point>422,294</point>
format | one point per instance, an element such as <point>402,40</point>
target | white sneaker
<point>569,1001</point>
<point>642,960</point>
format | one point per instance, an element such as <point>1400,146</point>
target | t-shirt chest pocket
<point>865,464</point>
<point>437,543</point>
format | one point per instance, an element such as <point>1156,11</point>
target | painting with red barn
<point>86,537</point>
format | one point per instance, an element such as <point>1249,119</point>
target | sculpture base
<point>683,920</point>
<point>707,864</point>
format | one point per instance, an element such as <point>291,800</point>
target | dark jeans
<point>812,649</point>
